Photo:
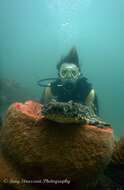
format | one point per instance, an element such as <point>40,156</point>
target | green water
<point>34,34</point>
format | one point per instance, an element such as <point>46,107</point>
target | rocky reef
<point>12,91</point>
<point>115,170</point>
<point>0,122</point>
<point>40,154</point>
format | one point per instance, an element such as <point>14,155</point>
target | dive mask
<point>69,72</point>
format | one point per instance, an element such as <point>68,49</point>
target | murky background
<point>35,34</point>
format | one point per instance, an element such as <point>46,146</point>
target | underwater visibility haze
<point>35,34</point>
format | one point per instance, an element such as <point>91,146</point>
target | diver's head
<point>69,68</point>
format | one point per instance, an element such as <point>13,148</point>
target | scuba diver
<point>70,84</point>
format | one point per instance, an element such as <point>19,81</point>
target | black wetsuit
<point>77,93</point>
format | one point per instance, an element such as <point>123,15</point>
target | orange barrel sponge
<point>50,155</point>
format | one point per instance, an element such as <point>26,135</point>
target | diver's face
<point>69,72</point>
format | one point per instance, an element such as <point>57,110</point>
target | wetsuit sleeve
<point>92,101</point>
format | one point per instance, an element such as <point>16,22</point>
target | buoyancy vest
<point>77,92</point>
